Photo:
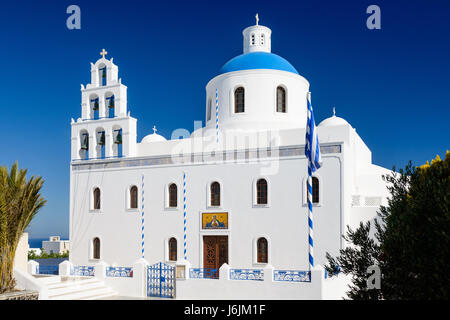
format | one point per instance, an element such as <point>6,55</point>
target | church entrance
<point>215,253</point>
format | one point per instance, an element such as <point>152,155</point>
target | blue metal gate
<point>161,281</point>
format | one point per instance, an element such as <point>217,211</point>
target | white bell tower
<point>257,38</point>
<point>105,129</point>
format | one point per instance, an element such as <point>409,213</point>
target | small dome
<point>333,121</point>
<point>257,60</point>
<point>154,137</point>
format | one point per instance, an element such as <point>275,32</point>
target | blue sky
<point>392,84</point>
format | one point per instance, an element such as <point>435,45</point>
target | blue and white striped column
<point>184,212</point>
<point>310,218</point>
<point>217,115</point>
<point>312,152</point>
<point>142,221</point>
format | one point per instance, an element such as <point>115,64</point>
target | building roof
<point>333,121</point>
<point>258,60</point>
<point>154,137</point>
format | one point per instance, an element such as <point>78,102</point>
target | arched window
<point>133,197</point>
<point>262,249</point>
<point>239,97</point>
<point>261,191</point>
<point>215,194</point>
<point>96,248</point>
<point>96,199</point>
<point>173,195</point>
<point>173,249</point>
<point>315,189</point>
<point>281,99</point>
<point>209,110</point>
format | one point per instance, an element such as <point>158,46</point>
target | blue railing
<point>292,275</point>
<point>247,274</point>
<point>203,273</point>
<point>119,272</point>
<point>43,269</point>
<point>85,271</point>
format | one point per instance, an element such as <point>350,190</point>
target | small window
<point>96,248</point>
<point>261,191</point>
<point>239,100</point>
<point>252,42</point>
<point>281,99</point>
<point>209,110</point>
<point>262,249</point>
<point>173,195</point>
<point>215,194</point>
<point>96,199</point>
<point>173,249</point>
<point>133,197</point>
<point>263,39</point>
<point>315,189</point>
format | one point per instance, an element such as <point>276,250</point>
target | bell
<point>85,145</point>
<point>111,102</point>
<point>102,139</point>
<point>96,105</point>
<point>118,138</point>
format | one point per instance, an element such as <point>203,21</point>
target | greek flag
<point>312,150</point>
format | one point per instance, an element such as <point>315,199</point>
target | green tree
<point>412,247</point>
<point>20,201</point>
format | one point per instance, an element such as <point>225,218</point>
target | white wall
<point>283,221</point>
<point>21,255</point>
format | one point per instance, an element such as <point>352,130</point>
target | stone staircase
<point>75,288</point>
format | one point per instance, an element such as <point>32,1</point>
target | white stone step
<point>64,288</point>
<point>70,282</point>
<point>47,279</point>
<point>99,297</point>
<point>91,293</point>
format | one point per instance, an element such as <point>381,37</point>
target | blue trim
<point>257,60</point>
<point>98,158</point>
<point>99,118</point>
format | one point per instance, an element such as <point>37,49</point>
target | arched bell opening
<point>102,74</point>
<point>110,105</point>
<point>117,141</point>
<point>84,145</point>
<point>100,145</point>
<point>94,103</point>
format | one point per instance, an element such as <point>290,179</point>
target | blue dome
<point>257,60</point>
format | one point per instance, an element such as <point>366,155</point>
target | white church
<point>219,213</point>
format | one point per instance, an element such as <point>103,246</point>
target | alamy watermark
<point>374,280</point>
<point>374,20</point>
<point>73,22</point>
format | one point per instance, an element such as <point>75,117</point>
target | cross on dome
<point>334,111</point>
<point>257,19</point>
<point>103,53</point>
<point>154,129</point>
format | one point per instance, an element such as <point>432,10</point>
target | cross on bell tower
<point>103,53</point>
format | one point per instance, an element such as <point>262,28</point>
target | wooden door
<point>215,252</point>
